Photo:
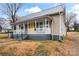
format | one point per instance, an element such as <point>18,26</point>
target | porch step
<point>19,37</point>
<point>25,37</point>
<point>22,36</point>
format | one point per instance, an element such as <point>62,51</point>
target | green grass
<point>4,38</point>
<point>3,35</point>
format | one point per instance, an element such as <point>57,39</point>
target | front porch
<point>42,27</point>
<point>38,28</point>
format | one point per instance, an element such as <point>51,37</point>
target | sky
<point>29,8</point>
<point>36,7</point>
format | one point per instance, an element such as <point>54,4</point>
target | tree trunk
<point>67,29</point>
<point>14,20</point>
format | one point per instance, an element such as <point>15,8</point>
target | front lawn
<point>38,48</point>
<point>4,38</point>
<point>3,35</point>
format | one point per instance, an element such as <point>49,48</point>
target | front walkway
<point>5,43</point>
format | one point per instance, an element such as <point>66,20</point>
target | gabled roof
<point>49,11</point>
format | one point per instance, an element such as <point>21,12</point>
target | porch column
<point>27,27</point>
<point>45,24</point>
<point>35,24</point>
<point>23,28</point>
<point>17,29</point>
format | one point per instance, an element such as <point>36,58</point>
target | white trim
<point>45,19</point>
<point>17,28</point>
<point>38,29</point>
<point>45,27</point>
<point>27,27</point>
<point>35,25</point>
<point>23,28</point>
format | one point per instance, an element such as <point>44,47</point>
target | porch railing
<point>19,32</point>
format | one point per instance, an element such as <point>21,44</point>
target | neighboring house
<point>47,24</point>
<point>6,30</point>
<point>71,27</point>
<point>76,26</point>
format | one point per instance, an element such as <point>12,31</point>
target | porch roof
<point>49,11</point>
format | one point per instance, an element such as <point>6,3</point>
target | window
<point>21,26</point>
<point>47,24</point>
<point>29,25</point>
<point>14,27</point>
<point>37,24</point>
<point>41,23</point>
<point>40,26</point>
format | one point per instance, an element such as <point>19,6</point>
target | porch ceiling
<point>41,17</point>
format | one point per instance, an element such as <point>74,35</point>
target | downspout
<point>65,18</point>
<point>51,28</point>
<point>60,15</point>
<point>59,26</point>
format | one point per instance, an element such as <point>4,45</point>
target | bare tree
<point>70,18</point>
<point>5,24</point>
<point>0,28</point>
<point>11,10</point>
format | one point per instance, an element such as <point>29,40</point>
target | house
<point>47,24</point>
<point>71,27</point>
<point>76,26</point>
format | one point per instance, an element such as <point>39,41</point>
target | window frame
<point>43,26</point>
<point>40,27</point>
<point>21,26</point>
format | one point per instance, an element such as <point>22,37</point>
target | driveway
<point>75,43</point>
<point>10,42</point>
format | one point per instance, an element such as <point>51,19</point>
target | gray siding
<point>37,37</point>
